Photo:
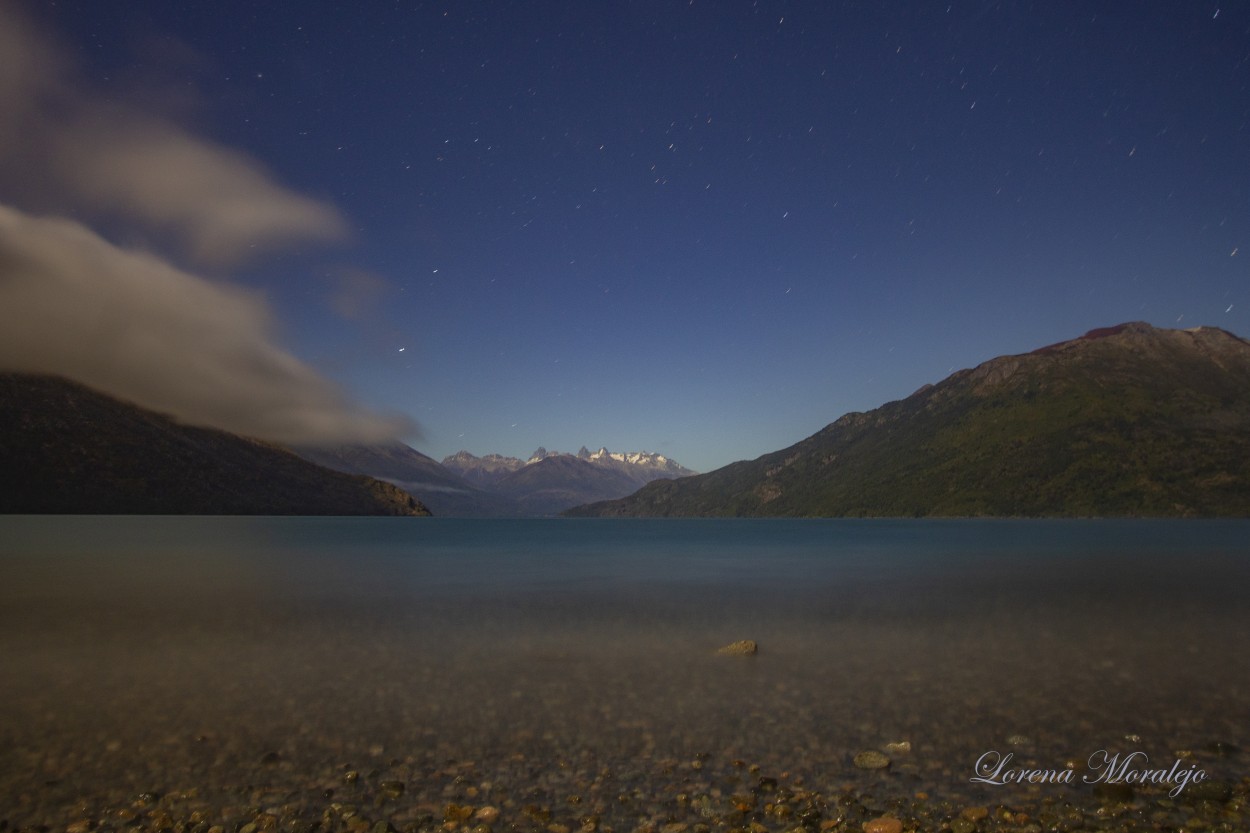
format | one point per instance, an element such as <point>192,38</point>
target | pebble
<point>741,648</point>
<point>883,824</point>
<point>871,759</point>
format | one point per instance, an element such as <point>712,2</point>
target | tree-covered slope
<point>1124,421</point>
<point>65,448</point>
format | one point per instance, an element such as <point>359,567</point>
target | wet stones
<point>457,813</point>
<point>486,815</point>
<point>974,814</point>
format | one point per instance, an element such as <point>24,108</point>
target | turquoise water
<point>181,650</point>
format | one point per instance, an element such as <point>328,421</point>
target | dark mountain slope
<point>1124,421</point>
<point>444,492</point>
<point>67,449</point>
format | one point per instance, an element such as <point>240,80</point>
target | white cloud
<point>79,149</point>
<point>129,322</point>
<point>221,205</point>
<point>132,325</point>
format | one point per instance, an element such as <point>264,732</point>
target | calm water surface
<point>150,654</point>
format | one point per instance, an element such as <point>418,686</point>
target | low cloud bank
<point>133,325</point>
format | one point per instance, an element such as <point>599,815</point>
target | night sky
<point>705,229</point>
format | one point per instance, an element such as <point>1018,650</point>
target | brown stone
<point>487,814</point>
<point>884,824</point>
<point>871,759</point>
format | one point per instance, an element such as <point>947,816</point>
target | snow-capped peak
<point>641,461</point>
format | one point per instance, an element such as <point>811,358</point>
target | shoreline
<point>580,793</point>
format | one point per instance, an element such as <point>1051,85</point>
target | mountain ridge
<point>465,485</point>
<point>445,493</point>
<point>1128,420</point>
<point>490,467</point>
<point>66,448</point>
<point>548,482</point>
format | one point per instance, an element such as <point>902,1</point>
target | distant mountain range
<point>552,481</point>
<point>465,485</point>
<point>65,448</point>
<point>1124,421</point>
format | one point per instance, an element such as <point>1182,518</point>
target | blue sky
<point>704,229</point>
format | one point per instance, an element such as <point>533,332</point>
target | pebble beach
<point>614,708</point>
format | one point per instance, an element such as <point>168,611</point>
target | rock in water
<point>871,759</point>
<point>741,648</point>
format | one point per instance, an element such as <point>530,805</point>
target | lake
<point>561,675</point>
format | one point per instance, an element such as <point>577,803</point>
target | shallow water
<point>551,659</point>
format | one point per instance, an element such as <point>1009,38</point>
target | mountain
<point>65,448</point>
<point>557,482</point>
<point>464,485</point>
<point>1124,421</point>
<point>482,472</point>
<point>552,481</point>
<point>444,492</point>
<point>640,466</point>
